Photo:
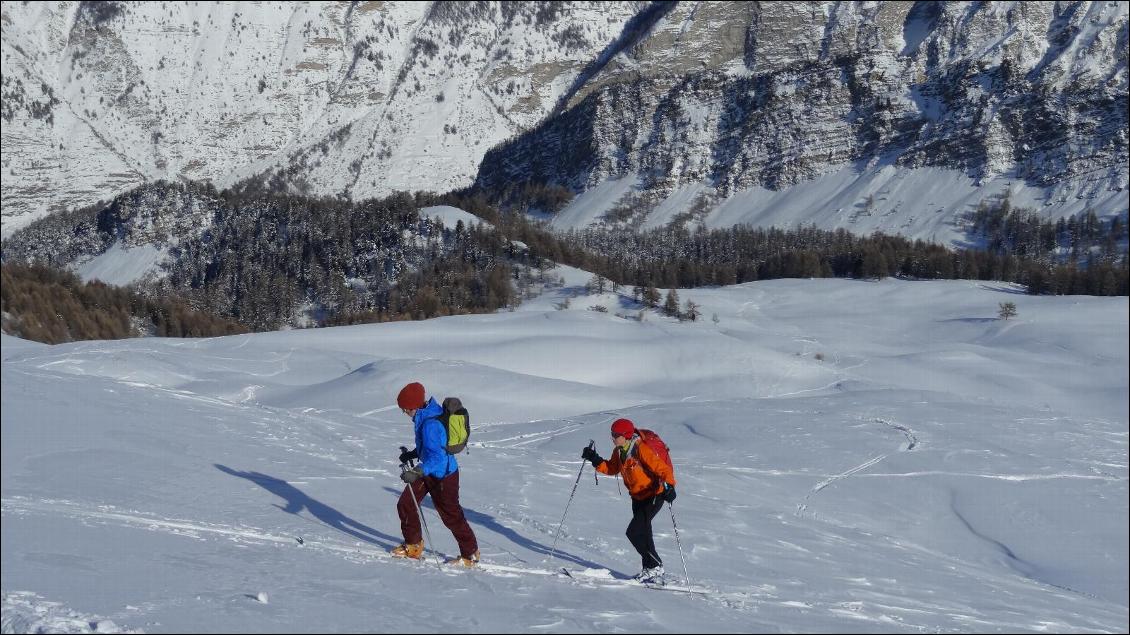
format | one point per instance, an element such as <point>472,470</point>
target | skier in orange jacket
<point>649,480</point>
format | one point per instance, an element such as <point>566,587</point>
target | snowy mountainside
<point>701,112</point>
<point>353,98</point>
<point>910,463</point>
<point>971,99</point>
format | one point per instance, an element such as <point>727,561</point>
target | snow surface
<point>450,216</point>
<point>121,265</point>
<point>851,457</point>
<point>927,203</point>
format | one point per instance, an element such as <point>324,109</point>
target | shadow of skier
<point>484,520</point>
<point>297,500</point>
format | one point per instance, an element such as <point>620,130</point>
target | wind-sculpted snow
<point>27,613</point>
<point>906,462</point>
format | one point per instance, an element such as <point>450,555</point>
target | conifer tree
<point>671,304</point>
<point>1007,310</point>
<point>691,310</point>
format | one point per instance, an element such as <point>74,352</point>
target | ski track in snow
<point>803,505</point>
<point>911,439</point>
<point>911,443</point>
<point>245,535</point>
<point>532,437</point>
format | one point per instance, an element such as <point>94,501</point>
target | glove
<point>409,455</point>
<point>410,476</point>
<point>668,493</point>
<point>590,455</point>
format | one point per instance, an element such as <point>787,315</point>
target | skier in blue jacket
<point>437,473</point>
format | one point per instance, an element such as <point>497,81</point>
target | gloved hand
<point>409,455</point>
<point>668,493</point>
<point>590,455</point>
<point>410,476</point>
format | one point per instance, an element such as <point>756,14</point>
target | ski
<point>675,588</point>
<point>606,578</point>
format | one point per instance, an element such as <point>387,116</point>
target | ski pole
<point>680,544</point>
<point>592,444</point>
<point>419,512</point>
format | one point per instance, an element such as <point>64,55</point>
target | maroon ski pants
<point>445,497</point>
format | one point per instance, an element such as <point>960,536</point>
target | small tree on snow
<point>597,284</point>
<point>671,304</point>
<point>1008,310</point>
<point>691,310</point>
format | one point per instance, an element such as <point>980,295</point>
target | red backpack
<point>658,446</point>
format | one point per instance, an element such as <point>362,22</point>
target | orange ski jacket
<point>643,471</point>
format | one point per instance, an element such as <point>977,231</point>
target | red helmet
<point>623,428</point>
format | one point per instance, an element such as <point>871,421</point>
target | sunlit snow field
<point>851,457</point>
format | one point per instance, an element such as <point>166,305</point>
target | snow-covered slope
<point>906,463</point>
<point>926,203</point>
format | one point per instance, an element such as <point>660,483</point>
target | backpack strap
<point>643,464</point>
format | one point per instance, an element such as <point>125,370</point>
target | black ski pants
<point>639,530</point>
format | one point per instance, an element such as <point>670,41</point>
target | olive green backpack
<point>457,423</point>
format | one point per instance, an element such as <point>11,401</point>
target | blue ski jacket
<point>431,441</point>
